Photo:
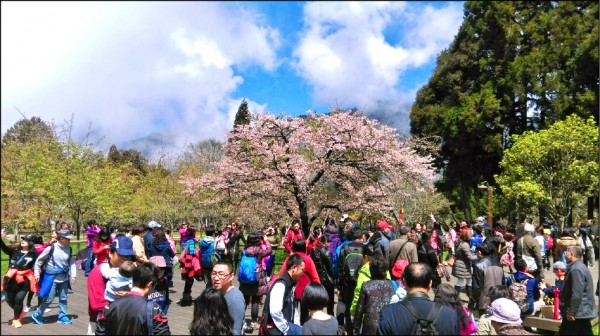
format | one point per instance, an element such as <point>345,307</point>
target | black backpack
<point>353,261</point>
<point>423,326</point>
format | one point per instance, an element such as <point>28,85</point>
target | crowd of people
<point>382,278</point>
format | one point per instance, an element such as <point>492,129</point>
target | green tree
<point>551,169</point>
<point>242,117</point>
<point>30,172</point>
<point>129,156</point>
<point>513,66</point>
<point>88,186</point>
<point>26,130</point>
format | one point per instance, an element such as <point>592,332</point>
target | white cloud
<point>135,70</point>
<point>344,55</point>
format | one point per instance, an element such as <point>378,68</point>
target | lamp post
<point>490,192</point>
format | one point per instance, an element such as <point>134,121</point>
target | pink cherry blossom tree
<point>342,160</point>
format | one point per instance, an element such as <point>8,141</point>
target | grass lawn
<point>595,330</point>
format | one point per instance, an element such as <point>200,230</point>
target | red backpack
<point>549,243</point>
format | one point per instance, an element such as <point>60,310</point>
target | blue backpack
<point>336,258</point>
<point>208,255</point>
<point>190,245</point>
<point>247,274</point>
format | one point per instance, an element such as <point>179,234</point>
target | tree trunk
<point>304,222</point>
<point>590,207</point>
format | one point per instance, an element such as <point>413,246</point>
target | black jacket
<point>128,316</point>
<point>17,260</point>
<point>396,320</point>
<point>288,298</point>
<point>324,263</point>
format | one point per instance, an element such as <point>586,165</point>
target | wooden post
<point>489,206</point>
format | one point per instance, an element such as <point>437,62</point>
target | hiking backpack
<point>423,326</point>
<point>518,290</point>
<point>353,261</point>
<point>208,253</point>
<point>248,271</point>
<point>337,269</point>
<point>190,245</point>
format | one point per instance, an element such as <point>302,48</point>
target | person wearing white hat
<point>505,316</point>
<point>149,236</point>
<point>527,248</point>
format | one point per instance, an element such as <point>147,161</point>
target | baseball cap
<point>123,245</point>
<point>503,310</point>
<point>154,225</point>
<point>66,234</point>
<point>383,224</point>
<point>159,261</point>
<point>529,227</point>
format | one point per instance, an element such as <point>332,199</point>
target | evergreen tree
<point>242,117</point>
<point>513,66</point>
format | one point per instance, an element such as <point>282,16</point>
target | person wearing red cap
<point>380,238</point>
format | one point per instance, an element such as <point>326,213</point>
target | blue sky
<point>160,75</point>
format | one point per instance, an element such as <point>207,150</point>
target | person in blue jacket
<point>160,246</point>
<point>522,275</point>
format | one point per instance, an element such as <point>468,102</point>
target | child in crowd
<point>315,299</point>
<point>160,294</point>
<point>399,290</point>
<point>560,269</point>
<point>523,276</point>
<point>119,279</point>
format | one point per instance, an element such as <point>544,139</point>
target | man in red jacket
<point>96,283</point>
<point>310,274</point>
<point>292,235</point>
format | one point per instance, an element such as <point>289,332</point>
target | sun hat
<point>503,310</point>
<point>529,227</point>
<point>159,261</point>
<point>123,245</point>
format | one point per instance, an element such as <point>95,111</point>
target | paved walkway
<point>179,317</point>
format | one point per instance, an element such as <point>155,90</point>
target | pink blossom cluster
<point>341,160</point>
